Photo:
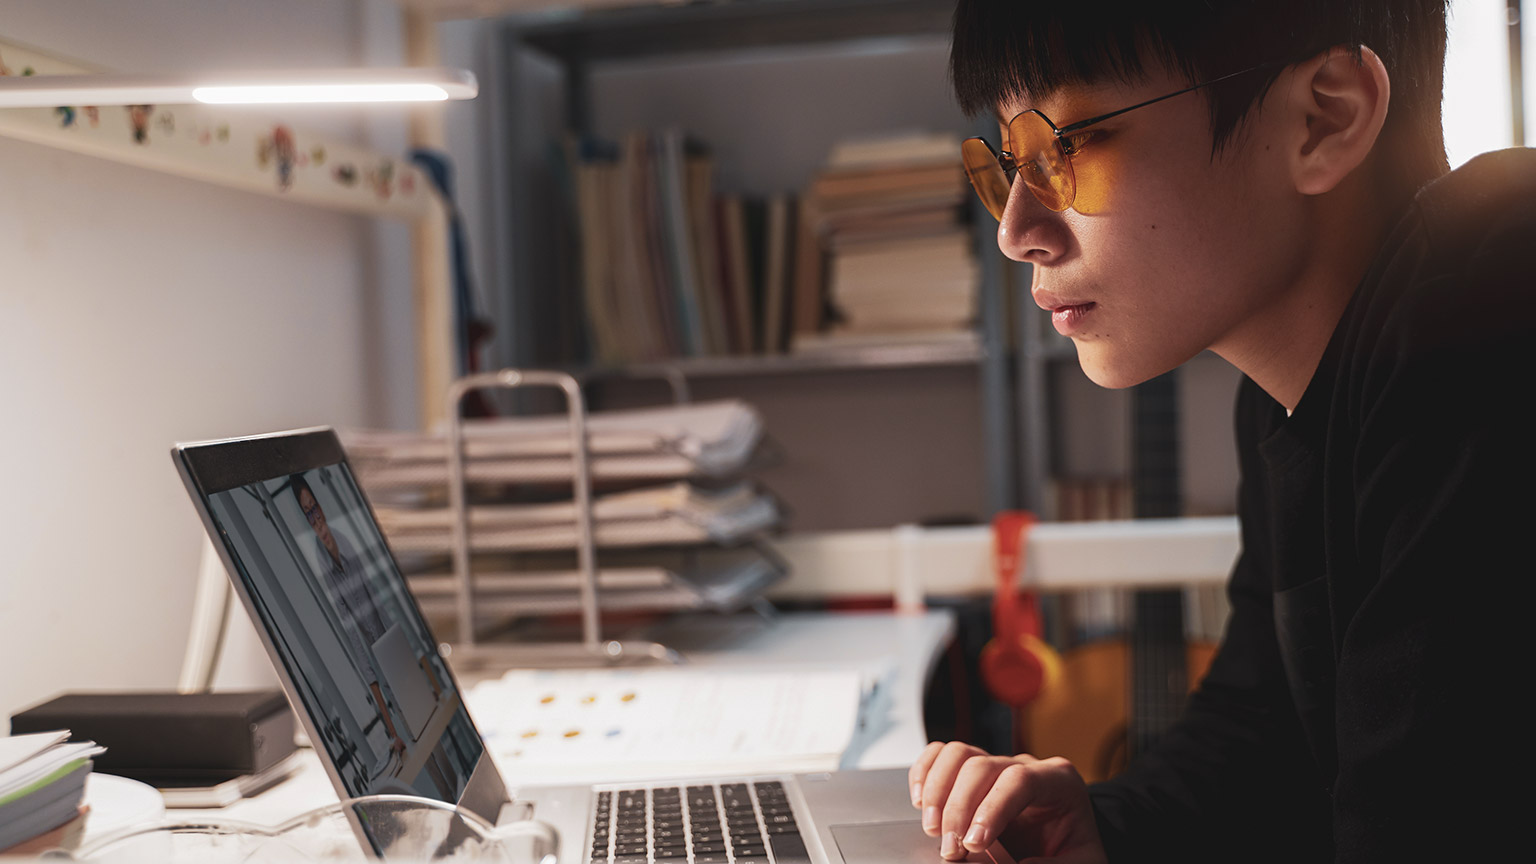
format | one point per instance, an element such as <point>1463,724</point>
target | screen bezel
<point>209,467</point>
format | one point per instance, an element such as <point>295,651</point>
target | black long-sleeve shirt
<point>1364,703</point>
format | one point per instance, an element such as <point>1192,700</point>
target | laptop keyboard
<point>726,823</point>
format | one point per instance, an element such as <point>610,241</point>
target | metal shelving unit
<point>832,360</point>
<point>1015,446</point>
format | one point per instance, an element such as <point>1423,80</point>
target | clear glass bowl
<point>392,827</point>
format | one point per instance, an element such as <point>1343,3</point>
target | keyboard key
<point>790,849</point>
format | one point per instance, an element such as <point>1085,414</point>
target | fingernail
<point>931,820</point>
<point>950,847</point>
<point>977,836</point>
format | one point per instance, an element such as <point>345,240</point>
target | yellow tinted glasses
<point>1040,153</point>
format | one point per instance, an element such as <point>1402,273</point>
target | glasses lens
<point>987,176</point>
<point>1041,163</point>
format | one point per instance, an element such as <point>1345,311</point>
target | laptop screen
<point>352,640</point>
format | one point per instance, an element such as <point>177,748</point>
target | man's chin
<point>1111,372</point>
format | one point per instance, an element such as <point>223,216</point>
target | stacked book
<point>670,268</point>
<point>42,790</point>
<point>901,262</point>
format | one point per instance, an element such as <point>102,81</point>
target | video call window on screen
<point>352,642</point>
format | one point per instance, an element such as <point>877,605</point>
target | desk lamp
<point>314,86</point>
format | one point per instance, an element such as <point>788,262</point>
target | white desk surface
<point>892,736</point>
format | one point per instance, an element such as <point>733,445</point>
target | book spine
<point>808,295</point>
<point>676,241</point>
<point>646,327</point>
<point>778,251</point>
<point>593,180</point>
<point>755,225</point>
<point>701,218</point>
<point>648,222</point>
<point>738,263</point>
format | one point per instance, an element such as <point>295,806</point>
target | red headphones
<point>1017,664</point>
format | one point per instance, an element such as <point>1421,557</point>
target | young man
<point>1274,193</point>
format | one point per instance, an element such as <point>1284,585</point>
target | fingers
<point>975,781</point>
<point>969,797</point>
<point>1004,799</point>
<point>919,771</point>
<point>940,779</point>
<point>1053,784</point>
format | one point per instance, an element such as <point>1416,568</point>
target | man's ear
<point>1340,105</point>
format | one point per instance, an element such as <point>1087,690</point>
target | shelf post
<point>435,367</point>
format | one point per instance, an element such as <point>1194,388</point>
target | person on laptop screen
<point>391,720</point>
<point>347,589</point>
<point>1267,180</point>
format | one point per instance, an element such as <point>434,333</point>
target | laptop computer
<point>380,704</point>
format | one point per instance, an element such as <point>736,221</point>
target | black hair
<point>1007,50</point>
<point>297,484</point>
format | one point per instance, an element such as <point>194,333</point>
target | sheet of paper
<point>40,766</point>
<point>16,749</point>
<point>569,726</point>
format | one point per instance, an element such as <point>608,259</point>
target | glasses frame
<point>1005,158</point>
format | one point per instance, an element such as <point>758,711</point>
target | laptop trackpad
<point>899,843</point>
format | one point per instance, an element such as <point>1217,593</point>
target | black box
<point>163,738</point>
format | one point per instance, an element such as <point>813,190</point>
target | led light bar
<point>334,86</point>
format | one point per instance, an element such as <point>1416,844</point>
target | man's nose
<point>1030,231</point>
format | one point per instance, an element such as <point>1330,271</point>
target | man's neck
<point>1281,346</point>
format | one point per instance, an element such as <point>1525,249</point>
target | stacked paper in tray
<point>708,578</point>
<point>677,545</point>
<point>42,786</point>
<point>679,513</point>
<point>705,439</point>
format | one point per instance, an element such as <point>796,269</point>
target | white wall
<point>137,310</point>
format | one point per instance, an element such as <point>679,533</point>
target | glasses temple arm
<point>1082,124</point>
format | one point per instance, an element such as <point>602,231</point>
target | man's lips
<point>1051,301</point>
<point>1068,318</point>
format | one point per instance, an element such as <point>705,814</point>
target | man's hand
<point>1038,806</point>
